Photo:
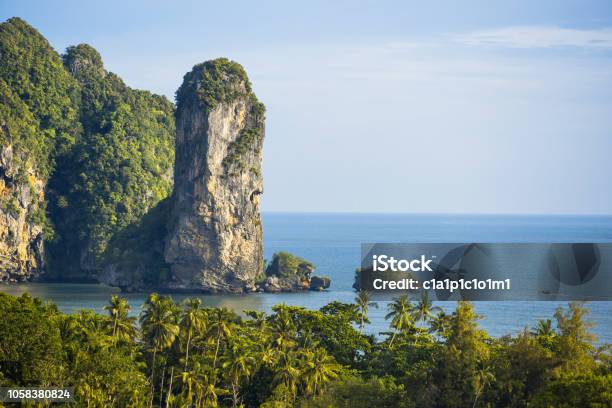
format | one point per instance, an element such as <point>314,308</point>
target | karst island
<point>100,182</point>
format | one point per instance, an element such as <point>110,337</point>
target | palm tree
<point>193,321</point>
<point>268,355</point>
<point>482,379</point>
<point>544,328</point>
<point>287,374</point>
<point>159,322</point>
<point>283,328</point>
<point>220,326</point>
<point>240,364</point>
<point>211,392</point>
<point>123,325</point>
<point>319,369</point>
<point>424,311</point>
<point>189,379</point>
<point>400,313</point>
<point>258,319</point>
<point>440,324</point>
<point>363,303</point>
<point>198,381</point>
<point>90,330</point>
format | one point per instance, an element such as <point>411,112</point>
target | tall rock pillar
<point>214,240</point>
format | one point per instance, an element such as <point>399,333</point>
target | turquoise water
<point>332,242</point>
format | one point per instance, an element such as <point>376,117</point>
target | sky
<point>383,106</point>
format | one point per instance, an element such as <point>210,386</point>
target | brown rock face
<point>21,236</point>
<point>215,240</point>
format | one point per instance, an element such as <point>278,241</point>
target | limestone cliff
<point>21,236</point>
<point>21,192</point>
<point>214,241</point>
<point>37,124</point>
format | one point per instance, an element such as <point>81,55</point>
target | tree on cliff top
<point>213,82</point>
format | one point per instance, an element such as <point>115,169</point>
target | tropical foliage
<point>190,355</point>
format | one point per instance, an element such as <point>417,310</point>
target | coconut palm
<point>283,328</point>
<point>199,386</point>
<point>219,326</point>
<point>482,379</point>
<point>363,303</point>
<point>239,363</point>
<point>123,325</point>
<point>268,355</point>
<point>90,330</point>
<point>287,374</point>
<point>258,319</point>
<point>440,324</point>
<point>190,382</point>
<point>159,322</point>
<point>400,313</point>
<point>319,369</point>
<point>211,393</point>
<point>424,310</point>
<point>193,322</point>
<point>544,328</point>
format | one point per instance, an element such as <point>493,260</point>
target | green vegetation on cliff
<point>121,168</point>
<point>38,119</point>
<point>106,150</point>
<point>135,255</point>
<point>98,155</point>
<point>238,148</point>
<point>222,81</point>
<point>191,355</point>
<point>34,72</point>
<point>214,82</point>
<point>285,265</point>
<point>20,130</point>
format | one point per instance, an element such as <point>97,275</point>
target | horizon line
<point>332,212</point>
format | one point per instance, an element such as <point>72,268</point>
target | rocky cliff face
<point>86,163</point>
<point>215,236</point>
<point>21,237</point>
<point>37,124</point>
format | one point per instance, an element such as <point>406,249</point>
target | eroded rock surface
<point>21,235</point>
<point>215,236</point>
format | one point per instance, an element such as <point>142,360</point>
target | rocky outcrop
<point>319,283</point>
<point>21,236</point>
<point>215,236</point>
<point>290,273</point>
<point>77,145</point>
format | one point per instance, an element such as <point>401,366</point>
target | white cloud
<point>539,37</point>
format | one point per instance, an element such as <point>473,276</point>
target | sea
<point>332,242</point>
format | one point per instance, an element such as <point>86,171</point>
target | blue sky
<point>381,106</point>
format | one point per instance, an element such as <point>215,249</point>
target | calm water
<point>332,242</point>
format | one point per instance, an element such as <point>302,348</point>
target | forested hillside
<point>121,167</point>
<point>83,156</point>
